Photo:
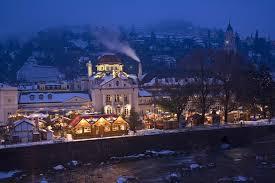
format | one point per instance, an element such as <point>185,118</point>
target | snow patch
<point>73,163</point>
<point>43,180</point>
<point>161,153</point>
<point>59,167</point>
<point>148,153</point>
<point>194,166</point>
<point>127,179</point>
<point>225,146</point>
<point>8,175</point>
<point>130,157</point>
<point>173,177</point>
<point>240,179</point>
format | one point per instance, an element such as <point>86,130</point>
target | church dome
<point>109,59</point>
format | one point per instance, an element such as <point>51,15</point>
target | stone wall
<point>45,156</point>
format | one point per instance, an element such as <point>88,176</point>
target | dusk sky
<point>17,16</point>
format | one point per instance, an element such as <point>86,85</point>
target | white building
<point>53,102</point>
<point>115,92</point>
<point>112,90</point>
<point>8,102</point>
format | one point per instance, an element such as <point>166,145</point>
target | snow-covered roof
<point>144,93</point>
<point>34,73</point>
<point>173,81</point>
<point>50,97</point>
<point>22,121</point>
<point>106,79</point>
<point>7,87</point>
<point>79,43</point>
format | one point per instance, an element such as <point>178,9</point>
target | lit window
<point>87,129</point>
<point>107,129</point>
<point>109,110</point>
<point>108,98</point>
<point>122,127</point>
<point>126,111</point>
<point>115,128</point>
<point>117,98</point>
<point>125,98</point>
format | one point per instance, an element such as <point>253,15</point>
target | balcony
<point>118,103</point>
<point>108,102</point>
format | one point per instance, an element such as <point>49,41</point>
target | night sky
<point>23,16</point>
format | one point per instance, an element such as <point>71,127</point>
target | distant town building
<point>8,102</point>
<point>33,73</point>
<point>164,60</point>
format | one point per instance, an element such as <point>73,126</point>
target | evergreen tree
<point>133,120</point>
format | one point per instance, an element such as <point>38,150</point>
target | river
<point>239,164</point>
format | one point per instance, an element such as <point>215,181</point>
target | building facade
<point>8,102</point>
<point>47,102</point>
<point>113,91</point>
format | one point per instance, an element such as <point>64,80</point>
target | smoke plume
<point>111,40</point>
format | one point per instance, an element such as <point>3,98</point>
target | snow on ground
<point>161,153</point>
<point>148,153</point>
<point>8,175</point>
<point>43,180</point>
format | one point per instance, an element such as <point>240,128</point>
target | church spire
<point>229,27</point>
<point>230,39</point>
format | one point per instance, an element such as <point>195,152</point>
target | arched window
<point>40,96</point>
<point>109,110</point>
<point>126,111</point>
<point>50,96</point>
<point>117,83</point>
<point>32,97</point>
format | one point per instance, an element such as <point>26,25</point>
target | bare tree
<point>228,68</point>
<point>175,98</point>
<point>197,64</point>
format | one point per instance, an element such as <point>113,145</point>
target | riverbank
<point>98,150</point>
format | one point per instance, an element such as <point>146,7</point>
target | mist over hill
<point>69,47</point>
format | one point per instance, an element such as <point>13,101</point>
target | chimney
<point>89,68</point>
<point>36,122</point>
<point>139,71</point>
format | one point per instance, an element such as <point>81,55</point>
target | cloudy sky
<point>22,16</point>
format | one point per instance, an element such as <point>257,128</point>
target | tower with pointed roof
<point>230,39</point>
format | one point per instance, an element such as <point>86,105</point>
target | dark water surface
<point>243,164</point>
